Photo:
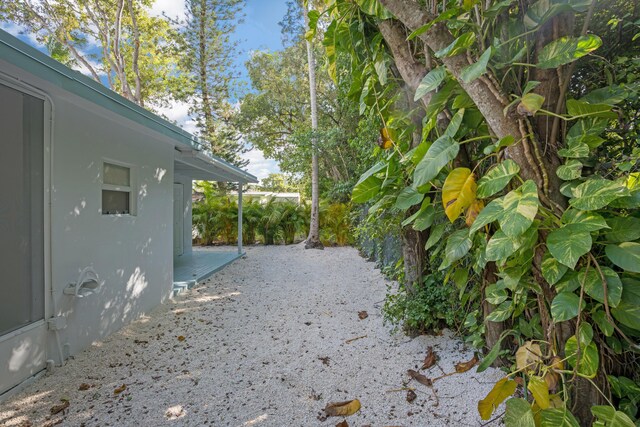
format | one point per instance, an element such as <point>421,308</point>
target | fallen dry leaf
<point>362,315</point>
<point>430,359</point>
<point>141,341</point>
<point>84,386</point>
<point>325,360</point>
<point>53,423</point>
<point>59,408</point>
<point>343,423</point>
<point>181,338</point>
<point>420,378</point>
<point>340,409</point>
<point>25,423</point>
<point>120,389</point>
<point>465,366</point>
<point>411,396</point>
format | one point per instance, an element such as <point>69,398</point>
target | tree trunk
<point>313,240</point>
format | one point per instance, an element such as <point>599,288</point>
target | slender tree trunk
<point>313,240</point>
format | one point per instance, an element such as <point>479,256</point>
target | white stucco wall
<point>132,254</point>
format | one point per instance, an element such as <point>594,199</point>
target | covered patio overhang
<point>198,264</point>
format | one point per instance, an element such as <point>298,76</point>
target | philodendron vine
<point>511,147</point>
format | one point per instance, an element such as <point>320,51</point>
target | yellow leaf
<point>528,355</point>
<point>120,389</point>
<point>458,192</point>
<point>385,142</point>
<point>340,409</point>
<point>538,388</point>
<point>503,389</point>
<point>473,211</point>
<point>181,338</point>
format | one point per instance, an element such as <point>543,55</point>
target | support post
<point>240,218</point>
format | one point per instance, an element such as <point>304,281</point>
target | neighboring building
<point>265,196</point>
<point>95,211</point>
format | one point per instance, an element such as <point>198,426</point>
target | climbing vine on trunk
<point>509,142</point>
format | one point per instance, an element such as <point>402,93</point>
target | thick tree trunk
<point>313,240</point>
<point>490,100</point>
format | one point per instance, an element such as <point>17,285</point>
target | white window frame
<point>131,188</point>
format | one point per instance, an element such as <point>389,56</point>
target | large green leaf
<point>595,194</point>
<point>565,306</point>
<point>580,109</point>
<point>458,245</point>
<point>434,236</point>
<point>501,313</point>
<point>584,220</point>
<point>557,417</point>
<point>407,198</point>
<point>458,46</point>
<point>568,244</point>
<point>594,288</point>
<point>475,70</point>
<point>519,414</point>
<point>625,255</point>
<point>443,150</point>
<point>623,229</point>
<point>609,417</point>
<point>552,270</point>
<point>501,246</point>
<point>628,311</point>
<point>519,207</point>
<point>497,178</point>
<point>366,190</point>
<point>567,49</point>
<point>589,360</point>
<point>572,169</point>
<point>375,8</point>
<point>430,82</point>
<point>425,218</point>
<point>531,103</point>
<point>490,213</point>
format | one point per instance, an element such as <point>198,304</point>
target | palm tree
<point>313,240</point>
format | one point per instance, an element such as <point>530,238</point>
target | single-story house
<point>95,212</point>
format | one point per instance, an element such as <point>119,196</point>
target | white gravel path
<point>254,335</point>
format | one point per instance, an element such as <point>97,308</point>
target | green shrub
<point>433,306</point>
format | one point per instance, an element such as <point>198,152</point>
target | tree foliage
<point>516,124</point>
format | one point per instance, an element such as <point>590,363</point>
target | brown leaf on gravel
<point>430,359</point>
<point>141,341</point>
<point>53,423</point>
<point>465,366</point>
<point>362,315</point>
<point>25,423</point>
<point>120,389</point>
<point>181,338</point>
<point>325,360</point>
<point>339,409</point>
<point>420,378</point>
<point>59,408</point>
<point>411,396</point>
<point>84,387</point>
<point>343,423</point>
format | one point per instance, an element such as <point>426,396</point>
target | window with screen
<point>117,190</point>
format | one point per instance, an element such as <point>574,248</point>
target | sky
<point>258,31</point>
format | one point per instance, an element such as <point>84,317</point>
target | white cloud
<point>20,32</point>
<point>172,8</point>
<point>258,165</point>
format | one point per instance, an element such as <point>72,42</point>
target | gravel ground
<point>264,342</point>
